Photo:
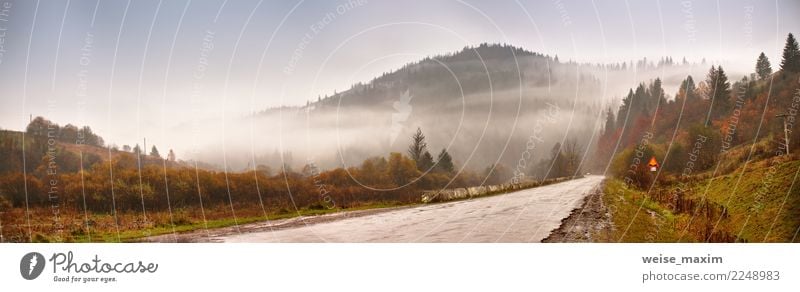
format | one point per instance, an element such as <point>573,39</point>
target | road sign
<point>653,164</point>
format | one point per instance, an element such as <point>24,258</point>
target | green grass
<point>760,205</point>
<point>636,218</point>
<point>756,199</point>
<point>194,225</point>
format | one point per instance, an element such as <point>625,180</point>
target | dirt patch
<point>584,224</point>
<point>216,234</point>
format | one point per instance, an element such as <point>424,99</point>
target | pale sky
<point>128,68</point>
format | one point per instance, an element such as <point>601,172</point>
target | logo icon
<point>402,109</point>
<point>31,265</point>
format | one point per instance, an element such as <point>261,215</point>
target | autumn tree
<point>707,142</point>
<point>791,55</point>
<point>90,137</point>
<point>401,169</point>
<point>69,133</point>
<point>39,126</point>
<point>373,171</point>
<point>763,68</point>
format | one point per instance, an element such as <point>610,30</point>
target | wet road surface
<point>522,216</point>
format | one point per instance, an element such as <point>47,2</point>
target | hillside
<point>759,202</point>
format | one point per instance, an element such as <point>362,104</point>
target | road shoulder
<point>586,223</point>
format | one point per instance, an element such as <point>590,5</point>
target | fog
<point>478,121</point>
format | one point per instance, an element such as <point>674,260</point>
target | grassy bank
<point>756,202</point>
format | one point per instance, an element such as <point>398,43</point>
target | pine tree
<point>444,162</point>
<point>791,55</point>
<point>763,68</point>
<point>720,90</point>
<point>418,147</point>
<point>610,122</point>
<point>425,162</point>
<point>154,152</point>
<point>688,89</point>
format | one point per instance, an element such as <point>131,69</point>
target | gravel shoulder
<point>585,224</point>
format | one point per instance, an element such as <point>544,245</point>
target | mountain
<point>480,103</point>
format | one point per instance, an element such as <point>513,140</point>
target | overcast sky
<point>133,67</point>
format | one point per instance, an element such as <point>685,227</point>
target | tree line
<point>706,119</point>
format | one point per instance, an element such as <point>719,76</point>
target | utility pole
<point>785,131</point>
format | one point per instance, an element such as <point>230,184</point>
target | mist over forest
<point>482,104</point>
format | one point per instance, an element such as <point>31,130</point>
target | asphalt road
<point>523,216</point>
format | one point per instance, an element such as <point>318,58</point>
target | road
<point>523,216</point>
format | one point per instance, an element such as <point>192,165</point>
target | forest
<point>704,120</point>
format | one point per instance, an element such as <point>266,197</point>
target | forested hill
<point>477,69</point>
<point>709,116</point>
<point>46,142</point>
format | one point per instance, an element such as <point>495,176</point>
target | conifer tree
<point>791,55</point>
<point>763,68</point>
